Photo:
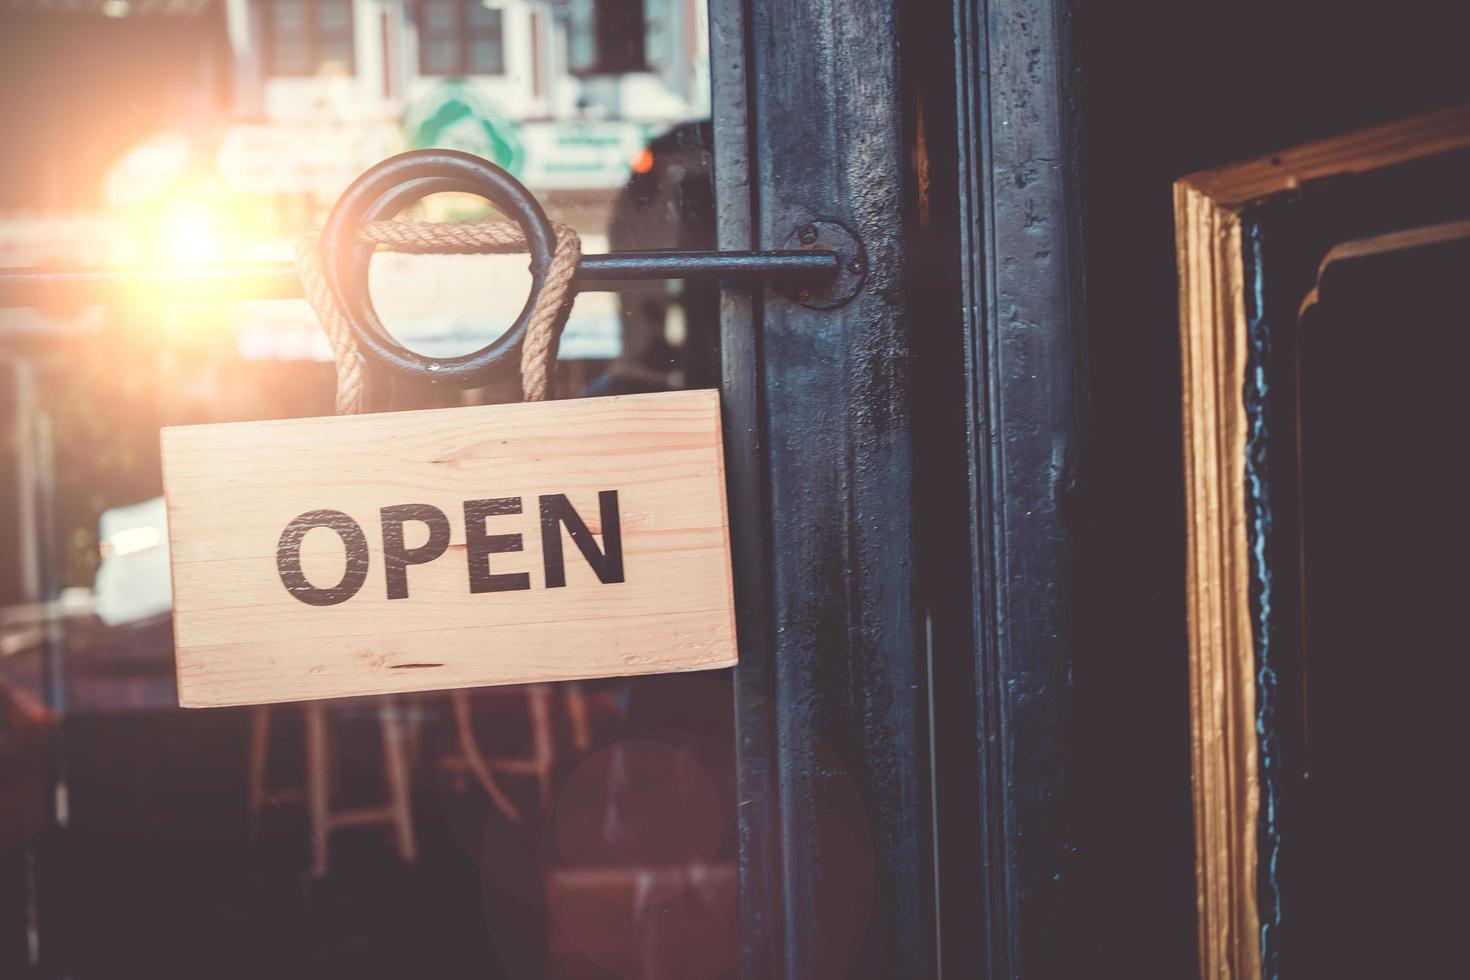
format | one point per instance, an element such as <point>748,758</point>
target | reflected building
<point>244,121</point>
<point>563,94</point>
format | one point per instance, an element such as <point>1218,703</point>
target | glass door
<point>566,830</point>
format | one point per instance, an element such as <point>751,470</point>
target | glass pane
<point>581,28</point>
<point>288,17</point>
<point>484,19</point>
<point>335,51</point>
<point>661,43</point>
<point>290,55</point>
<point>438,17</point>
<point>607,846</point>
<point>333,17</point>
<point>440,57</point>
<point>487,57</point>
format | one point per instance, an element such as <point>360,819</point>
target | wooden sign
<point>371,554</point>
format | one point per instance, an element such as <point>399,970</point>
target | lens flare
<point>187,236</point>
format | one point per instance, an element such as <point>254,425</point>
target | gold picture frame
<point>1212,289</point>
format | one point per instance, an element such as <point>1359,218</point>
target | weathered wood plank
<point>460,524</point>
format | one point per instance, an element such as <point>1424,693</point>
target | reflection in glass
<point>606,846</point>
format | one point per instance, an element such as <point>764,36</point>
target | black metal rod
<point>31,287</point>
<point>616,266</point>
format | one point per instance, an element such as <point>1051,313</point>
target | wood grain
<point>1402,141</point>
<point>1222,689</point>
<point>241,637</point>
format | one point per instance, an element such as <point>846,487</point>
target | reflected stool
<point>322,817</point>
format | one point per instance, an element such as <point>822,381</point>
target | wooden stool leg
<point>543,740</point>
<point>318,781</point>
<point>413,725</point>
<point>260,736</point>
<point>330,737</point>
<point>475,760</point>
<point>577,714</point>
<point>395,762</point>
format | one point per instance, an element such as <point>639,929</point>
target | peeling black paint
<point>1023,325</point>
<point>844,678</point>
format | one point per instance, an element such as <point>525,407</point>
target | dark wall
<point>1169,87</point>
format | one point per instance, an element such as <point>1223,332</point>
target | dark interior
<point>1383,540</point>
<point>1169,88</point>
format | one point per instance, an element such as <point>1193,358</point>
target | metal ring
<point>387,188</point>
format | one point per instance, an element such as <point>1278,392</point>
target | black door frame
<point>831,692</point>
<point>900,475</point>
<point>1021,248</point>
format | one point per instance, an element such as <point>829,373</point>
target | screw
<point>855,266</point>
<point>803,294</point>
<point>807,234</point>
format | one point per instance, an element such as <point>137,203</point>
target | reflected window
<point>305,37</point>
<point>461,37</point>
<point>606,37</point>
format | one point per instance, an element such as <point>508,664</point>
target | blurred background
<point>570,830</point>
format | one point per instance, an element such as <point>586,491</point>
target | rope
<point>538,351</point>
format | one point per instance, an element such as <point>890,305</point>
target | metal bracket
<point>828,236</point>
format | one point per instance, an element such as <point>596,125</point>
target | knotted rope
<point>537,351</point>
<point>552,302</point>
